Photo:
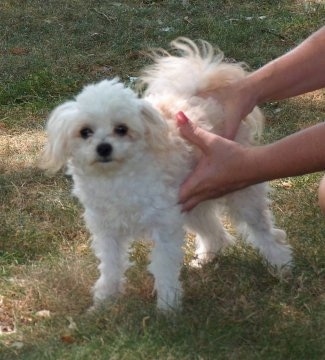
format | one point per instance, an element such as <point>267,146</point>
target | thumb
<point>193,133</point>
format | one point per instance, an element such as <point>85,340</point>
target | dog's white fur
<point>129,186</point>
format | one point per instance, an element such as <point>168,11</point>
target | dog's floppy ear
<point>59,131</point>
<point>156,127</point>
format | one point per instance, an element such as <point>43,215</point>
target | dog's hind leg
<point>249,209</point>
<point>211,236</point>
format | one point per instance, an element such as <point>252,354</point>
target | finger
<point>191,204</point>
<point>193,186</point>
<point>187,191</point>
<point>194,133</point>
<point>181,118</point>
<point>230,130</point>
<point>193,201</point>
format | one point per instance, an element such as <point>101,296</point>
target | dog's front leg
<point>111,250</point>
<point>166,262</point>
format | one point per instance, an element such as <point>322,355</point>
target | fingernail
<point>181,118</point>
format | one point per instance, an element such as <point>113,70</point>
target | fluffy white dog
<point>127,161</point>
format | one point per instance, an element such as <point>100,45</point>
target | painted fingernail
<point>181,118</point>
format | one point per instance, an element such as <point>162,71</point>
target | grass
<point>234,308</point>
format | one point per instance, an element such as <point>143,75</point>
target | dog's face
<point>105,127</point>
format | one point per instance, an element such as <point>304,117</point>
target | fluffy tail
<point>188,69</point>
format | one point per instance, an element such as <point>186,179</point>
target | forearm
<point>299,71</point>
<point>297,154</point>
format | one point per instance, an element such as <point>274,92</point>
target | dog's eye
<point>121,130</point>
<point>86,132</point>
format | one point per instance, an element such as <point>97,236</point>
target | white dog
<point>127,161</point>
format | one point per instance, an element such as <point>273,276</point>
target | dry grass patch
<point>45,292</point>
<point>19,151</point>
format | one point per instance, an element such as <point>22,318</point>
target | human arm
<point>297,72</point>
<point>227,166</point>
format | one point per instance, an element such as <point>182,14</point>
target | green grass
<point>234,308</point>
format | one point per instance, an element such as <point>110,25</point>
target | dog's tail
<point>189,68</point>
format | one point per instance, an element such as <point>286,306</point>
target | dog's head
<point>105,126</point>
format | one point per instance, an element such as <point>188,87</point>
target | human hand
<point>236,102</point>
<point>220,170</point>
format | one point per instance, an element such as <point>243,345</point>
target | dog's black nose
<point>104,149</point>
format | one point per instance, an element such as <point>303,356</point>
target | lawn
<point>234,307</point>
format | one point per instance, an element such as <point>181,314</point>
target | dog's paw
<point>94,309</point>
<point>100,305</point>
<point>169,299</point>
<point>201,259</point>
<point>279,254</point>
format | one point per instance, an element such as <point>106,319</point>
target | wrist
<point>252,161</point>
<point>248,96</point>
<point>259,85</point>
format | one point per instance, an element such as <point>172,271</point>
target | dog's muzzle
<point>104,150</point>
